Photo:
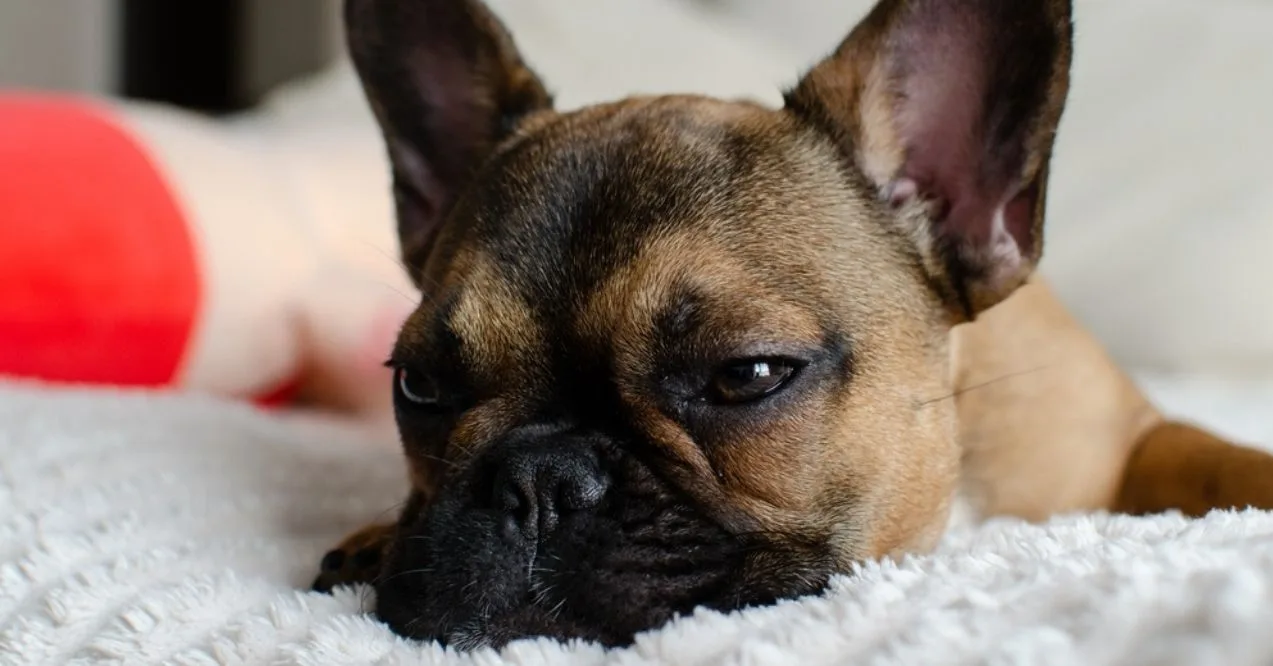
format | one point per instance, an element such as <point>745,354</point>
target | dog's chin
<point>465,574</point>
<point>475,594</point>
<point>417,607</point>
<point>455,581</point>
<point>464,587</point>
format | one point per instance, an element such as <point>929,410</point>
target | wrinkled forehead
<point>574,196</point>
<point>584,191</point>
<point>651,213</point>
<point>680,298</point>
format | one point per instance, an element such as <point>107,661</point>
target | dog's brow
<point>443,319</point>
<point>678,317</point>
<point>423,336</point>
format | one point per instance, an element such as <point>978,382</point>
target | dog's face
<point>677,352</point>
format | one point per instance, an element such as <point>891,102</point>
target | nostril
<point>533,488</point>
<point>508,499</point>
<point>515,500</point>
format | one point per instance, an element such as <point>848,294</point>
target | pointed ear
<point>949,107</point>
<point>446,84</point>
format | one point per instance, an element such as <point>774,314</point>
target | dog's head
<point>678,352</point>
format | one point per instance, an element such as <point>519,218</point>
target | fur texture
<point>734,324</point>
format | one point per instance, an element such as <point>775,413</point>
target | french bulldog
<point>678,352</point>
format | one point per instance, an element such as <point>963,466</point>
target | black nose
<point>537,484</point>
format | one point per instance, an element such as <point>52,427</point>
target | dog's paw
<point>356,560</point>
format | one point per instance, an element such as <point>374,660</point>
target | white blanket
<point>142,530</point>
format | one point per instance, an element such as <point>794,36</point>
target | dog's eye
<point>749,380</point>
<point>416,388</point>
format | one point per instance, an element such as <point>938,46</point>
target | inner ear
<point>950,108</point>
<point>447,85</point>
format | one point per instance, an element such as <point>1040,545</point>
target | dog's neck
<point>1044,413</point>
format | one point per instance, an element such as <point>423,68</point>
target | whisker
<point>407,297</point>
<point>416,274</point>
<point>974,387</point>
<point>422,570</point>
<point>440,460</point>
<point>393,259</point>
<point>396,508</point>
<point>555,613</point>
<point>364,599</point>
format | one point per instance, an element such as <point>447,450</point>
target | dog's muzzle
<point>559,534</point>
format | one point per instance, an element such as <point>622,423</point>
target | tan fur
<point>623,311</point>
<point>1021,411</point>
<point>1016,408</point>
<point>772,476</point>
<point>879,439</point>
<point>1046,419</point>
<point>1177,466</point>
<point>1050,424</point>
<point>350,568</point>
<point>498,330</point>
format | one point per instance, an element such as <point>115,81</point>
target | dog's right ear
<point>950,109</point>
<point>446,84</point>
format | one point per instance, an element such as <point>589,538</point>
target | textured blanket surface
<point>147,529</point>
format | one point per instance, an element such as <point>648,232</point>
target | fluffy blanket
<point>142,529</point>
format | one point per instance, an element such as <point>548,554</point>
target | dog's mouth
<point>465,576</point>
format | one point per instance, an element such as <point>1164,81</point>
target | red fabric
<point>281,396</point>
<point>99,282</point>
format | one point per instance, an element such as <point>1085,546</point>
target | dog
<point>677,352</point>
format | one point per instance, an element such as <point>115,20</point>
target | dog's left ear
<point>447,84</point>
<point>949,108</point>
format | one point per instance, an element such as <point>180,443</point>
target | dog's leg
<point>1177,466</point>
<point>356,560</point>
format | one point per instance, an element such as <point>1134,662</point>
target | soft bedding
<point>147,529</point>
<point>150,529</point>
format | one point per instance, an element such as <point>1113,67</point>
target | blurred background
<point>239,125</point>
<point>212,55</point>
